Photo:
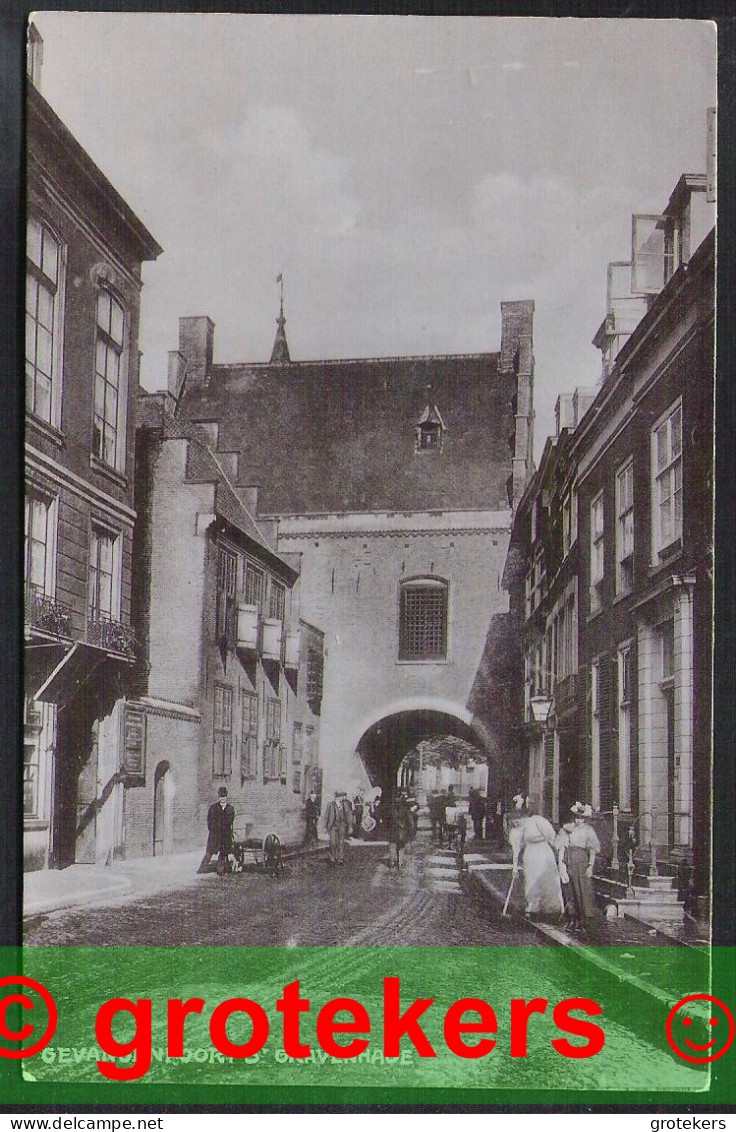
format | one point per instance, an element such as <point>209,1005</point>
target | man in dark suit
<point>220,821</point>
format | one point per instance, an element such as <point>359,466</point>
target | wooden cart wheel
<point>272,853</point>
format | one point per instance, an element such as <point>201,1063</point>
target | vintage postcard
<point>369,437</point>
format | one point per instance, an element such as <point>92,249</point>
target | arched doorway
<point>163,809</point>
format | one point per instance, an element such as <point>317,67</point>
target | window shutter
<point>606,714</point>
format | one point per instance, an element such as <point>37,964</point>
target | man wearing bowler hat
<point>220,821</point>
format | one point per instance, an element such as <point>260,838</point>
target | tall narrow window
<point>667,481</point>
<point>43,323</point>
<point>225,614</point>
<point>569,520</point>
<point>624,728</point>
<point>38,544</point>
<point>253,585</point>
<point>597,549</point>
<point>103,582</point>
<point>296,759</point>
<point>625,529</point>
<point>108,440</point>
<point>272,752</point>
<point>223,730</point>
<point>423,620</point>
<point>277,601</point>
<point>595,736</point>
<point>249,736</point>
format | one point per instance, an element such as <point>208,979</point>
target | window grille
<point>423,627</point>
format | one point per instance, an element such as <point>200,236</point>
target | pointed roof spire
<point>280,353</point>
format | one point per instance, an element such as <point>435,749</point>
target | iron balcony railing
<point>106,633</point>
<point>47,615</point>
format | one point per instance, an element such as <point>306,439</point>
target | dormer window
<point>429,430</point>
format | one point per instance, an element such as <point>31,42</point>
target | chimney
<point>564,413</point>
<point>517,357</point>
<point>196,340</point>
<point>582,399</point>
<point>34,55</point>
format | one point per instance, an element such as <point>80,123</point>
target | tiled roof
<point>339,435</point>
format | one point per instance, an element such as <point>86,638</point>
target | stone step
<point>664,896</point>
<point>652,911</point>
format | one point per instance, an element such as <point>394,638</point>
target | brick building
<point>85,248</point>
<point>639,462</point>
<point>393,480</point>
<point>233,690</point>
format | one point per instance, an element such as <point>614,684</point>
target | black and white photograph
<point>369,481</point>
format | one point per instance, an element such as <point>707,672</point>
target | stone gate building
<point>393,479</point>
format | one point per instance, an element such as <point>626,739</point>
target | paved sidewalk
<point>79,886</point>
<point>647,972</point>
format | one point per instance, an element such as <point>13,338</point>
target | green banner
<point>205,1025</point>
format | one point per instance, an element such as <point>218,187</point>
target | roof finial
<point>280,353</point>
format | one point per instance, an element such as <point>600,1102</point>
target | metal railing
<point>46,614</point>
<point>106,633</point>
<point>633,844</point>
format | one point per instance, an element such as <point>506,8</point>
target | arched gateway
<point>387,740</point>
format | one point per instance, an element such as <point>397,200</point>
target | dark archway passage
<point>386,743</point>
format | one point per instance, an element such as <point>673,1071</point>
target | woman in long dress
<point>531,837</point>
<point>577,848</point>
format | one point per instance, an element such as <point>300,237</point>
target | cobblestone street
<point>310,903</point>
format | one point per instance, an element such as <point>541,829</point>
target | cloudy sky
<point>406,174</point>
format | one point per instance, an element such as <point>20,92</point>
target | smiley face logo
<point>700,1033</point>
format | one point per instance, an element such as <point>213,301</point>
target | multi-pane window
<point>272,749</point>
<point>569,520</point>
<point>109,414</point>
<point>103,596</point>
<point>624,727</point>
<point>225,614</point>
<point>43,322</point>
<point>296,759</point>
<point>38,537</point>
<point>33,726</point>
<point>423,620</point>
<point>667,480</point>
<point>249,736</point>
<point>625,529</point>
<point>277,601</point>
<point>222,730</point>
<point>597,547</point>
<point>254,585</point>
<point>535,582</point>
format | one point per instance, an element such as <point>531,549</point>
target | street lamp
<point>541,707</point>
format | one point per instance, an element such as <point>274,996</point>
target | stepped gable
<point>335,436</point>
<point>203,466</point>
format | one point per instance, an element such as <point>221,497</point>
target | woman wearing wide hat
<point>577,848</point>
